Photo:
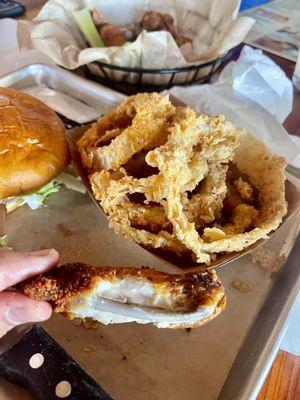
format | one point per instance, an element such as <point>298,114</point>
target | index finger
<point>18,266</point>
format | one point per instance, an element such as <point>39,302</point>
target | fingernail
<point>20,315</point>
<point>42,253</point>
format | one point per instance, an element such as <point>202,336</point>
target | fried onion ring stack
<point>170,178</point>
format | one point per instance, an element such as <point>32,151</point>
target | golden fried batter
<point>206,205</point>
<point>106,294</point>
<point>161,175</point>
<point>245,189</point>
<point>140,114</point>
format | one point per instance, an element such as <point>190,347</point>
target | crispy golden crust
<point>62,285</point>
<point>219,308</point>
<point>209,186</point>
<point>143,113</point>
<point>181,162</point>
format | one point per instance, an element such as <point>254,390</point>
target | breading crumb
<point>77,321</point>
<point>90,348</point>
<point>90,323</point>
<point>267,259</point>
<point>64,229</point>
<point>241,286</point>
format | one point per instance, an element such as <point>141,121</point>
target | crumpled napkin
<point>256,77</point>
<point>250,110</point>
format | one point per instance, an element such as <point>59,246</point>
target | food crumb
<point>124,358</point>
<point>241,286</point>
<point>267,259</point>
<point>89,348</point>
<point>65,230</point>
<point>90,323</point>
<point>188,330</point>
<point>87,323</point>
<point>77,321</point>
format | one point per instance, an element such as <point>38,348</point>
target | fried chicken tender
<point>160,174</point>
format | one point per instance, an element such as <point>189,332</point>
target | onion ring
<point>181,200</point>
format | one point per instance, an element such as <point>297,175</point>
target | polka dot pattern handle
<point>39,364</point>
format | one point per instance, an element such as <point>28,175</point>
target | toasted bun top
<point>33,147</point>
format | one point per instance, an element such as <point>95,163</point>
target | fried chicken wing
<point>156,21</point>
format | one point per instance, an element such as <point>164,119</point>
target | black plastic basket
<point>133,80</point>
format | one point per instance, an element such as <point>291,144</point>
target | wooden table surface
<point>283,381</point>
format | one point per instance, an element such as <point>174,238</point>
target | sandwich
<point>33,150</point>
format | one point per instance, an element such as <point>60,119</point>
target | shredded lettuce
<point>35,199</point>
<point>87,27</point>
<point>3,242</point>
<point>12,203</point>
<point>71,182</point>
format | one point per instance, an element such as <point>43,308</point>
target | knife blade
<point>33,359</point>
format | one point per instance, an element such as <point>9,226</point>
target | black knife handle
<point>58,366</point>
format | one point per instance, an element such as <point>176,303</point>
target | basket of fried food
<point>182,183</point>
<point>136,46</point>
<point>135,79</point>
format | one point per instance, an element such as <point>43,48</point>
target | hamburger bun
<point>33,147</point>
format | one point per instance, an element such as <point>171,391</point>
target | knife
<point>32,359</point>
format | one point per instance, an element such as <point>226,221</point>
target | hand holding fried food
<point>118,295</point>
<point>170,178</point>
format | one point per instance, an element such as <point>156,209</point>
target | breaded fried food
<point>170,178</point>
<point>266,173</point>
<point>182,162</point>
<point>118,295</point>
<point>206,204</point>
<point>146,115</point>
<point>244,188</point>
